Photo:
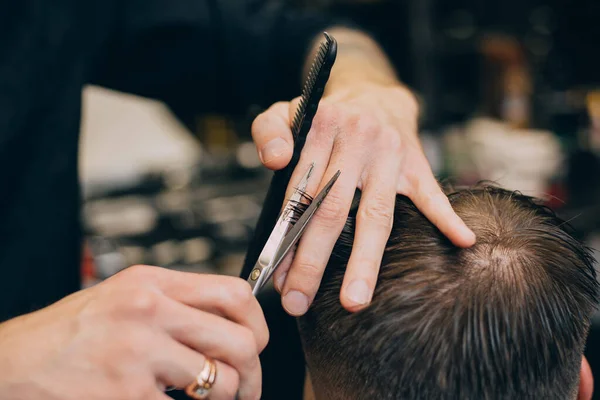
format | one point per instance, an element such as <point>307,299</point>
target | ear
<point>586,381</point>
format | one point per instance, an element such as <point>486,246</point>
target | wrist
<point>359,79</point>
<point>396,94</point>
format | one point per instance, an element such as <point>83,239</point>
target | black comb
<point>309,102</point>
<point>314,86</point>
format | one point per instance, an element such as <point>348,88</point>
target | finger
<point>178,366</point>
<point>226,296</point>
<point>218,338</point>
<point>317,150</point>
<point>315,248</point>
<point>434,204</point>
<point>373,225</point>
<point>281,272</point>
<point>273,137</point>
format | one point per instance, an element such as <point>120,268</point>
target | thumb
<point>273,137</point>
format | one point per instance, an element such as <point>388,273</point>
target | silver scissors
<point>286,233</point>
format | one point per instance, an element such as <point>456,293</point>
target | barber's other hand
<point>369,132</point>
<point>135,334</point>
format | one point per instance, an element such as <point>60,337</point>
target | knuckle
<point>142,302</point>
<point>281,104</point>
<point>353,120</point>
<point>332,210</point>
<point>368,126</point>
<point>252,362</point>
<point>377,211</point>
<point>327,117</point>
<point>327,110</point>
<point>239,294</point>
<point>393,141</point>
<point>258,122</point>
<point>137,270</point>
<point>403,186</point>
<point>414,182</point>
<point>246,343</point>
<point>410,101</point>
<point>308,269</point>
<point>263,338</point>
<point>139,273</point>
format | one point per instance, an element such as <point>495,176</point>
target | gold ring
<point>200,388</point>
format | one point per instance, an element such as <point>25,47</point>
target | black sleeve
<point>214,55</point>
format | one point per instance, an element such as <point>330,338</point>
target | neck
<point>309,393</point>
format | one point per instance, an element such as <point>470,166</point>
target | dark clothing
<point>210,56</point>
<point>282,360</point>
<point>197,55</point>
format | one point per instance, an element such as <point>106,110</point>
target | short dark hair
<point>504,319</point>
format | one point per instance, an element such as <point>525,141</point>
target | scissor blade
<point>298,229</point>
<point>264,265</point>
<point>283,224</point>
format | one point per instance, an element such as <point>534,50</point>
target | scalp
<point>507,316</point>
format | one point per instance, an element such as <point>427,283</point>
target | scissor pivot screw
<point>255,274</point>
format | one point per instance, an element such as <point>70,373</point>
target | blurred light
<point>109,264</point>
<point>247,156</point>
<point>133,254</point>
<point>166,253</point>
<point>126,216</point>
<point>231,264</point>
<point>178,178</point>
<point>107,258</point>
<point>197,250</point>
<point>224,209</point>
<point>232,230</point>
<point>173,201</point>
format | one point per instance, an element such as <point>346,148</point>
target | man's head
<point>504,319</point>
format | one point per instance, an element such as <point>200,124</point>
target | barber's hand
<point>369,132</point>
<point>135,334</point>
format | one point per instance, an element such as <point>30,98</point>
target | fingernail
<point>358,292</point>
<point>473,236</point>
<point>469,234</point>
<point>295,303</point>
<point>273,149</point>
<point>280,281</point>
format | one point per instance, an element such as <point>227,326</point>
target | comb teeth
<point>310,83</point>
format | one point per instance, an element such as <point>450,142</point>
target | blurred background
<point>510,92</point>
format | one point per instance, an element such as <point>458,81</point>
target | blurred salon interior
<point>509,92</point>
